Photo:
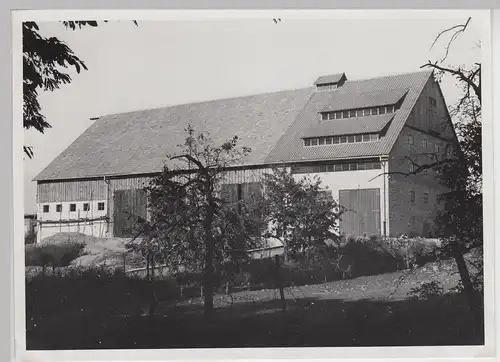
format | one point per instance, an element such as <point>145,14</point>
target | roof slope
<point>290,147</point>
<point>138,142</point>
<point>349,126</point>
<point>344,100</point>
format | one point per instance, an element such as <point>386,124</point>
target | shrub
<point>426,290</point>
<point>54,255</point>
<point>30,237</point>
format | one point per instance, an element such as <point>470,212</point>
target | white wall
<point>349,180</point>
<point>94,228</point>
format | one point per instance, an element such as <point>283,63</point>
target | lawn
<point>365,311</point>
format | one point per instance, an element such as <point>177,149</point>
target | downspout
<point>106,181</point>
<point>385,199</point>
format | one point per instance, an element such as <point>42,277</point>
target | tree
<point>460,222</point>
<point>191,223</point>
<point>45,64</point>
<point>298,213</point>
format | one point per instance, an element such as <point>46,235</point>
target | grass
<point>365,311</point>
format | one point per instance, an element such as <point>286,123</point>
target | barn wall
<point>407,216</point>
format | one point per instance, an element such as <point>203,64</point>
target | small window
<point>100,206</point>
<point>367,112</point>
<point>345,114</point>
<point>324,116</point>
<point>350,139</point>
<point>424,143</point>
<point>331,116</point>
<point>343,139</point>
<point>338,115</point>
<point>330,168</point>
<point>86,207</point>
<point>436,147</point>
<point>390,109</point>
<point>336,139</point>
<point>360,113</point>
<point>307,142</point>
<point>359,138</point>
<point>410,140</point>
<point>322,168</point>
<point>412,196</point>
<point>321,141</point>
<point>46,208</point>
<point>381,110</point>
<point>361,166</point>
<point>337,167</point>
<point>353,166</point>
<point>377,165</point>
<point>58,208</point>
<point>314,141</point>
<point>374,137</point>
<point>72,207</point>
<point>328,140</point>
<point>374,111</point>
<point>366,138</point>
<point>426,198</point>
<point>432,102</point>
<point>352,113</point>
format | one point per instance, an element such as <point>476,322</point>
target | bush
<point>55,255</point>
<point>426,290</point>
<point>30,237</point>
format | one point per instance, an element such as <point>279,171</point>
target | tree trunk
<point>279,280</point>
<point>208,304</point>
<point>472,297</point>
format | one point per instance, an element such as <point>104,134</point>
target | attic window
<point>338,167</point>
<point>357,138</point>
<point>358,112</point>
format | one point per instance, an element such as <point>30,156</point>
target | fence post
<point>124,263</point>
<point>280,283</point>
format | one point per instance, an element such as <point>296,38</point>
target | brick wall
<point>417,140</point>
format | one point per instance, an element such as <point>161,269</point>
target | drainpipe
<point>385,199</point>
<point>106,181</point>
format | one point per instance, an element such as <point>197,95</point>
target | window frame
<point>86,206</point>
<point>412,196</point>
<point>46,209</point>
<point>99,206</point>
<point>72,207</point>
<point>59,208</point>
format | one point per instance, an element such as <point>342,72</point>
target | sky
<point>161,63</point>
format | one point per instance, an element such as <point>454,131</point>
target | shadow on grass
<point>307,322</point>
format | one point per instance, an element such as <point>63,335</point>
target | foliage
<point>54,255</point>
<point>45,64</point>
<point>192,225</point>
<point>298,213</point>
<point>30,237</point>
<point>426,290</point>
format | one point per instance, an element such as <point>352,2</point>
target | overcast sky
<point>170,62</point>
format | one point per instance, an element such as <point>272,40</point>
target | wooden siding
<point>363,212</point>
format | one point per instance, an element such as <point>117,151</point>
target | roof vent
<point>329,82</point>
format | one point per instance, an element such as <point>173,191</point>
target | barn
<point>355,135</point>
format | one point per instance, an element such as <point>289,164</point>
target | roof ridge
<point>390,75</point>
<point>208,101</point>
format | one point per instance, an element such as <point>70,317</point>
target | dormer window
<point>330,82</point>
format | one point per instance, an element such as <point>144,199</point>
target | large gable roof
<point>272,125</point>
<point>290,147</point>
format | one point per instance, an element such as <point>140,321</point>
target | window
<point>72,207</point>
<point>328,141</point>
<point>352,113</point>
<point>374,111</point>
<point>58,208</point>
<point>436,147</point>
<point>367,112</point>
<point>343,139</point>
<point>350,139</point>
<point>381,110</point>
<point>412,196</point>
<point>374,137</point>
<point>345,114</point>
<point>410,140</point>
<point>314,142</point>
<point>322,168</point>
<point>359,113</point>
<point>377,165</point>
<point>307,142</point>
<point>321,141</point>
<point>359,138</point>
<point>45,208</point>
<point>426,198</point>
<point>337,167</point>
<point>336,139</point>
<point>86,206</point>
<point>100,206</point>
<point>331,116</point>
<point>324,116</point>
<point>424,143</point>
<point>412,167</point>
<point>338,114</point>
<point>353,166</point>
<point>366,138</point>
<point>432,102</point>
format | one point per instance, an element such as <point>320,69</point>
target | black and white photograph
<point>253,180</point>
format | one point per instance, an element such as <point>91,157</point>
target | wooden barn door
<point>362,212</point>
<point>129,207</point>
